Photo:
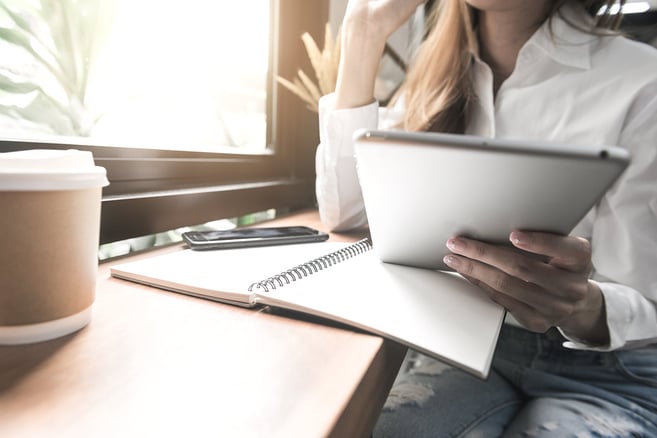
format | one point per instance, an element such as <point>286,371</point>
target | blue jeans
<point>537,388</point>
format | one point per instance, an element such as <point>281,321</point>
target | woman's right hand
<point>376,20</point>
<point>365,29</point>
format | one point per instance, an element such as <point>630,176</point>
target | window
<point>215,138</point>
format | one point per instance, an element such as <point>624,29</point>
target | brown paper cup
<point>48,260</point>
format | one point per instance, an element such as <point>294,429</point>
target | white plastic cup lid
<point>41,169</point>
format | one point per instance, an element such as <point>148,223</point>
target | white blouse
<point>568,86</point>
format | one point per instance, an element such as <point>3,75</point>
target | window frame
<point>153,190</point>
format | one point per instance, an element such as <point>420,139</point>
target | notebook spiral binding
<point>312,266</point>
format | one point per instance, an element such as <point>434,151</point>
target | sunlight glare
<point>183,75</point>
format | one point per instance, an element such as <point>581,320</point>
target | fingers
<point>385,16</point>
<point>502,284</point>
<point>494,255</point>
<point>526,315</point>
<point>566,252</point>
<point>540,293</point>
<point>508,261</point>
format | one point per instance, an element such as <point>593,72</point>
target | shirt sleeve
<point>624,238</point>
<point>338,192</point>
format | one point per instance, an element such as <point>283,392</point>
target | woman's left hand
<point>540,292</point>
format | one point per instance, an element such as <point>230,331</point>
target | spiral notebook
<point>437,313</point>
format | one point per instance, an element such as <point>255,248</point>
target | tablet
<point>420,189</point>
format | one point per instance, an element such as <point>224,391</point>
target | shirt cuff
<point>619,316</point>
<point>337,126</point>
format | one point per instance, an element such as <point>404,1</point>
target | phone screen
<point>245,237</point>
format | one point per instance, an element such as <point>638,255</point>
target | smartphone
<point>250,237</point>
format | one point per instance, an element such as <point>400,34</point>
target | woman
<point>577,355</point>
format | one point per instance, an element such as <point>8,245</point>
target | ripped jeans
<point>537,388</point>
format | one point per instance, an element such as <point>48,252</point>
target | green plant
<point>48,46</point>
<point>325,65</point>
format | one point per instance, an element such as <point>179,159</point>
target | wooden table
<point>156,363</point>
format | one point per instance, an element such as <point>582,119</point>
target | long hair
<point>438,89</point>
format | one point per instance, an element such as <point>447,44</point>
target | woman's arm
<point>337,188</point>
<point>366,27</point>
<point>624,234</point>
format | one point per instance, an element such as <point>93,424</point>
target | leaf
<point>44,111</point>
<point>16,37</point>
<point>21,22</point>
<point>299,90</point>
<point>325,65</point>
<point>296,88</point>
<point>12,85</point>
<point>54,16</point>
<point>23,40</point>
<point>313,51</point>
<point>95,24</point>
<point>52,32</point>
<point>312,88</point>
<point>76,28</point>
<point>34,28</point>
<point>71,57</point>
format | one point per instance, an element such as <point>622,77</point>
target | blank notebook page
<point>435,312</point>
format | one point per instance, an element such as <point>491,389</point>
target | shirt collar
<point>563,38</point>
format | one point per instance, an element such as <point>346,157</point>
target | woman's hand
<point>378,19</point>
<point>540,292</point>
<point>366,27</point>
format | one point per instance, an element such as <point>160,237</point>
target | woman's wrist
<point>359,63</point>
<point>589,325</point>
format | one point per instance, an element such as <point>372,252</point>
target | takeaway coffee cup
<point>49,223</point>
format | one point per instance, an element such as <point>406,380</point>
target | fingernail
<point>518,238</point>
<point>455,244</point>
<point>451,261</point>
